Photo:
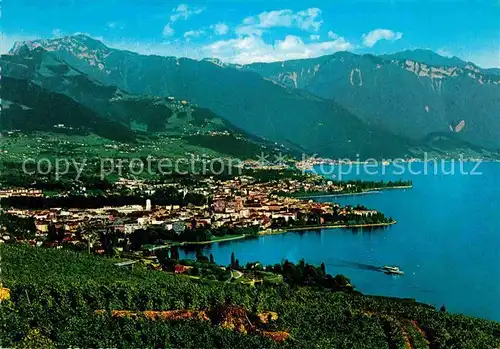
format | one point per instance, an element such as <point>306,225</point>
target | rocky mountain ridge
<point>407,97</point>
<point>338,105</point>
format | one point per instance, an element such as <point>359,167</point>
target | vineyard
<point>60,299</point>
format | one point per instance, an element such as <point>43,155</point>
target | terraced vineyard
<point>62,299</point>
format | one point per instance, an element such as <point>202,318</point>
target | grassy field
<point>50,145</point>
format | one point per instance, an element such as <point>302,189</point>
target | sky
<point>264,31</point>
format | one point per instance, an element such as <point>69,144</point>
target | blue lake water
<point>447,240</point>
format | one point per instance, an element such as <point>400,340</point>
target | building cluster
<point>242,202</point>
<point>6,193</point>
<point>237,203</point>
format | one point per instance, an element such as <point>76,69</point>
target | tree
<point>442,309</point>
<point>174,253</point>
<point>18,226</point>
<point>52,232</point>
<point>212,258</point>
<point>323,269</point>
<point>200,257</point>
<point>233,260</point>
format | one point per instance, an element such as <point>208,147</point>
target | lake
<point>447,240</point>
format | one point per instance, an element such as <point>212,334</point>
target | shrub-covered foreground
<point>64,299</point>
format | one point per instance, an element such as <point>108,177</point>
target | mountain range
<point>403,92</point>
<point>339,105</point>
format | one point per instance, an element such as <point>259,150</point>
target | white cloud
<point>192,34</point>
<point>168,30</point>
<point>184,11</point>
<point>280,18</point>
<point>371,38</point>
<point>249,45</point>
<point>220,28</point>
<point>247,30</point>
<point>307,20</point>
<point>332,35</point>
<point>254,49</point>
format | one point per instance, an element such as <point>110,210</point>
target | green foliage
<point>304,274</point>
<point>229,144</point>
<point>35,340</point>
<point>20,227</point>
<point>37,109</point>
<point>57,292</point>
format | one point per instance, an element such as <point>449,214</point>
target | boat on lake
<point>394,270</point>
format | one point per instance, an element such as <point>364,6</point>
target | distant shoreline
<point>229,238</point>
<point>288,230</point>
<point>364,192</point>
<point>316,227</point>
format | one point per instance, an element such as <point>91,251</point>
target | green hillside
<point>112,113</point>
<point>65,299</point>
<point>28,107</point>
<point>144,113</point>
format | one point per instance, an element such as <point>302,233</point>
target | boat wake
<point>360,266</point>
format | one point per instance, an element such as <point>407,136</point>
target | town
<point>164,214</point>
